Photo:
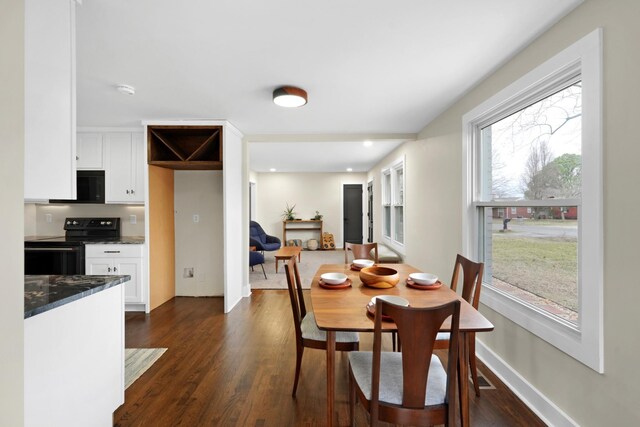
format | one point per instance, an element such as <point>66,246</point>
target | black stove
<point>64,255</point>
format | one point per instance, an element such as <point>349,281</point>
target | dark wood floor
<point>237,370</point>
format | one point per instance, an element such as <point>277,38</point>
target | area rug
<point>137,361</point>
<point>308,265</point>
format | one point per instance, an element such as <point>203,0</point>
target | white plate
<point>362,263</point>
<point>333,278</point>
<point>424,278</point>
<point>393,299</point>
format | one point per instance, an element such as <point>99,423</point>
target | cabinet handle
<point>127,191</point>
<point>132,191</point>
<point>109,269</point>
<point>115,269</point>
<point>77,158</point>
<point>111,252</point>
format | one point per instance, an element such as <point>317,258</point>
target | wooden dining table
<point>345,310</point>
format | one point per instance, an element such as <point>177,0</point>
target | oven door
<point>53,259</point>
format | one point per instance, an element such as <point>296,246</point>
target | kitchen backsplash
<point>36,223</point>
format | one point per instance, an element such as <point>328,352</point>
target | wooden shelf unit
<point>310,225</point>
<point>185,147</point>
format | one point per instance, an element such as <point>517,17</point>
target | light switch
<point>47,218</point>
<point>196,218</point>
<point>133,219</point>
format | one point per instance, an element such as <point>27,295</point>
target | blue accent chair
<point>261,240</point>
<point>256,258</point>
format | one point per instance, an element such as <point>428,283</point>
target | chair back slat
<point>360,251</point>
<point>295,295</point>
<point>417,330</point>
<point>471,279</point>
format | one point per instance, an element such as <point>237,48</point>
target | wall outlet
<point>48,218</point>
<point>133,219</point>
<point>196,218</point>
<point>188,273</point>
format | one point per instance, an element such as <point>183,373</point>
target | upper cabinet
<point>90,151</point>
<point>185,147</point>
<point>124,171</point>
<point>50,100</point>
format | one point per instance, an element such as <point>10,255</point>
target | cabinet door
<point>49,100</point>
<point>133,268</point>
<point>138,166</point>
<point>119,167</point>
<point>99,266</point>
<point>89,151</point>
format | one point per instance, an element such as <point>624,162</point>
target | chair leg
<point>263,272</point>
<point>299,352</point>
<point>393,341</point>
<point>352,401</point>
<point>472,363</point>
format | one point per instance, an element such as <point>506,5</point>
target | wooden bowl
<point>379,277</point>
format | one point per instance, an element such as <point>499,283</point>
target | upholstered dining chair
<point>410,387</point>
<point>307,333</point>
<point>471,285</point>
<point>360,251</point>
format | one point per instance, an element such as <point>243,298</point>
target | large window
<point>393,204</point>
<point>533,195</point>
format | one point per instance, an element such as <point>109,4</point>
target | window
<point>533,152</point>
<point>393,204</point>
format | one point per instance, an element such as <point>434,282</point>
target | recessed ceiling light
<point>126,89</point>
<point>367,143</point>
<point>272,170</point>
<point>349,169</point>
<point>289,96</point>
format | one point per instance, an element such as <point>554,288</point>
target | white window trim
<point>390,170</point>
<point>585,344</point>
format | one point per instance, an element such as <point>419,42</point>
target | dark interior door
<point>352,207</point>
<point>370,211</point>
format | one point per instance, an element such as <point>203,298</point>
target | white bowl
<point>393,299</point>
<point>363,263</point>
<point>333,278</point>
<point>424,278</point>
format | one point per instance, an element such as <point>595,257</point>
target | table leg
<point>463,372</point>
<point>276,265</point>
<point>331,375</point>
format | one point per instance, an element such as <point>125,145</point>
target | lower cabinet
<point>114,259</point>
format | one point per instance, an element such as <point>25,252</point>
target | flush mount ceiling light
<point>349,169</point>
<point>272,170</point>
<point>289,96</point>
<point>367,143</point>
<point>126,89</point>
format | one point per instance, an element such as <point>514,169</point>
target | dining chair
<point>471,285</point>
<point>307,332</point>
<point>360,251</point>
<point>409,387</point>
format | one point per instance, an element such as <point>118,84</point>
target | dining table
<point>344,309</point>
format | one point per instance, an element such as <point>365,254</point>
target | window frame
<point>584,58</point>
<point>392,202</point>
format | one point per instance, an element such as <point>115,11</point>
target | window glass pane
<point>534,258</point>
<point>535,153</point>
<point>399,200</point>
<point>386,189</point>
<point>386,212</point>
<point>398,224</point>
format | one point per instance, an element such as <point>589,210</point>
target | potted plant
<point>318,217</point>
<point>289,214</point>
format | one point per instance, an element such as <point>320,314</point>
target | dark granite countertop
<point>43,293</point>
<point>123,240</point>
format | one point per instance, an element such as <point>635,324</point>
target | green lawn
<point>546,267</point>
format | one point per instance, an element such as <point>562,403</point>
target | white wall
<point>309,192</point>
<point>11,212</point>
<point>199,245</point>
<point>434,199</point>
<point>30,219</point>
<point>60,212</point>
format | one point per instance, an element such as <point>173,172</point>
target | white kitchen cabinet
<point>115,259</point>
<point>50,100</point>
<point>124,153</point>
<point>89,152</point>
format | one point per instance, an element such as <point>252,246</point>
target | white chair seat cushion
<point>443,336</point>
<point>391,377</point>
<point>310,331</point>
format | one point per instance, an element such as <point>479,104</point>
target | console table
<point>301,225</point>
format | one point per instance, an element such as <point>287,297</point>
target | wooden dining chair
<point>410,387</point>
<point>360,251</point>
<point>307,332</point>
<point>471,285</point>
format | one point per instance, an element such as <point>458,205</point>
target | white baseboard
<point>543,407</point>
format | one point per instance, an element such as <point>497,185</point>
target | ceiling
<point>374,68</point>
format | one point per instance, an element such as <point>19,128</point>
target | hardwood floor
<point>237,370</point>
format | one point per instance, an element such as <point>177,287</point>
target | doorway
<point>352,213</point>
<point>370,212</point>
